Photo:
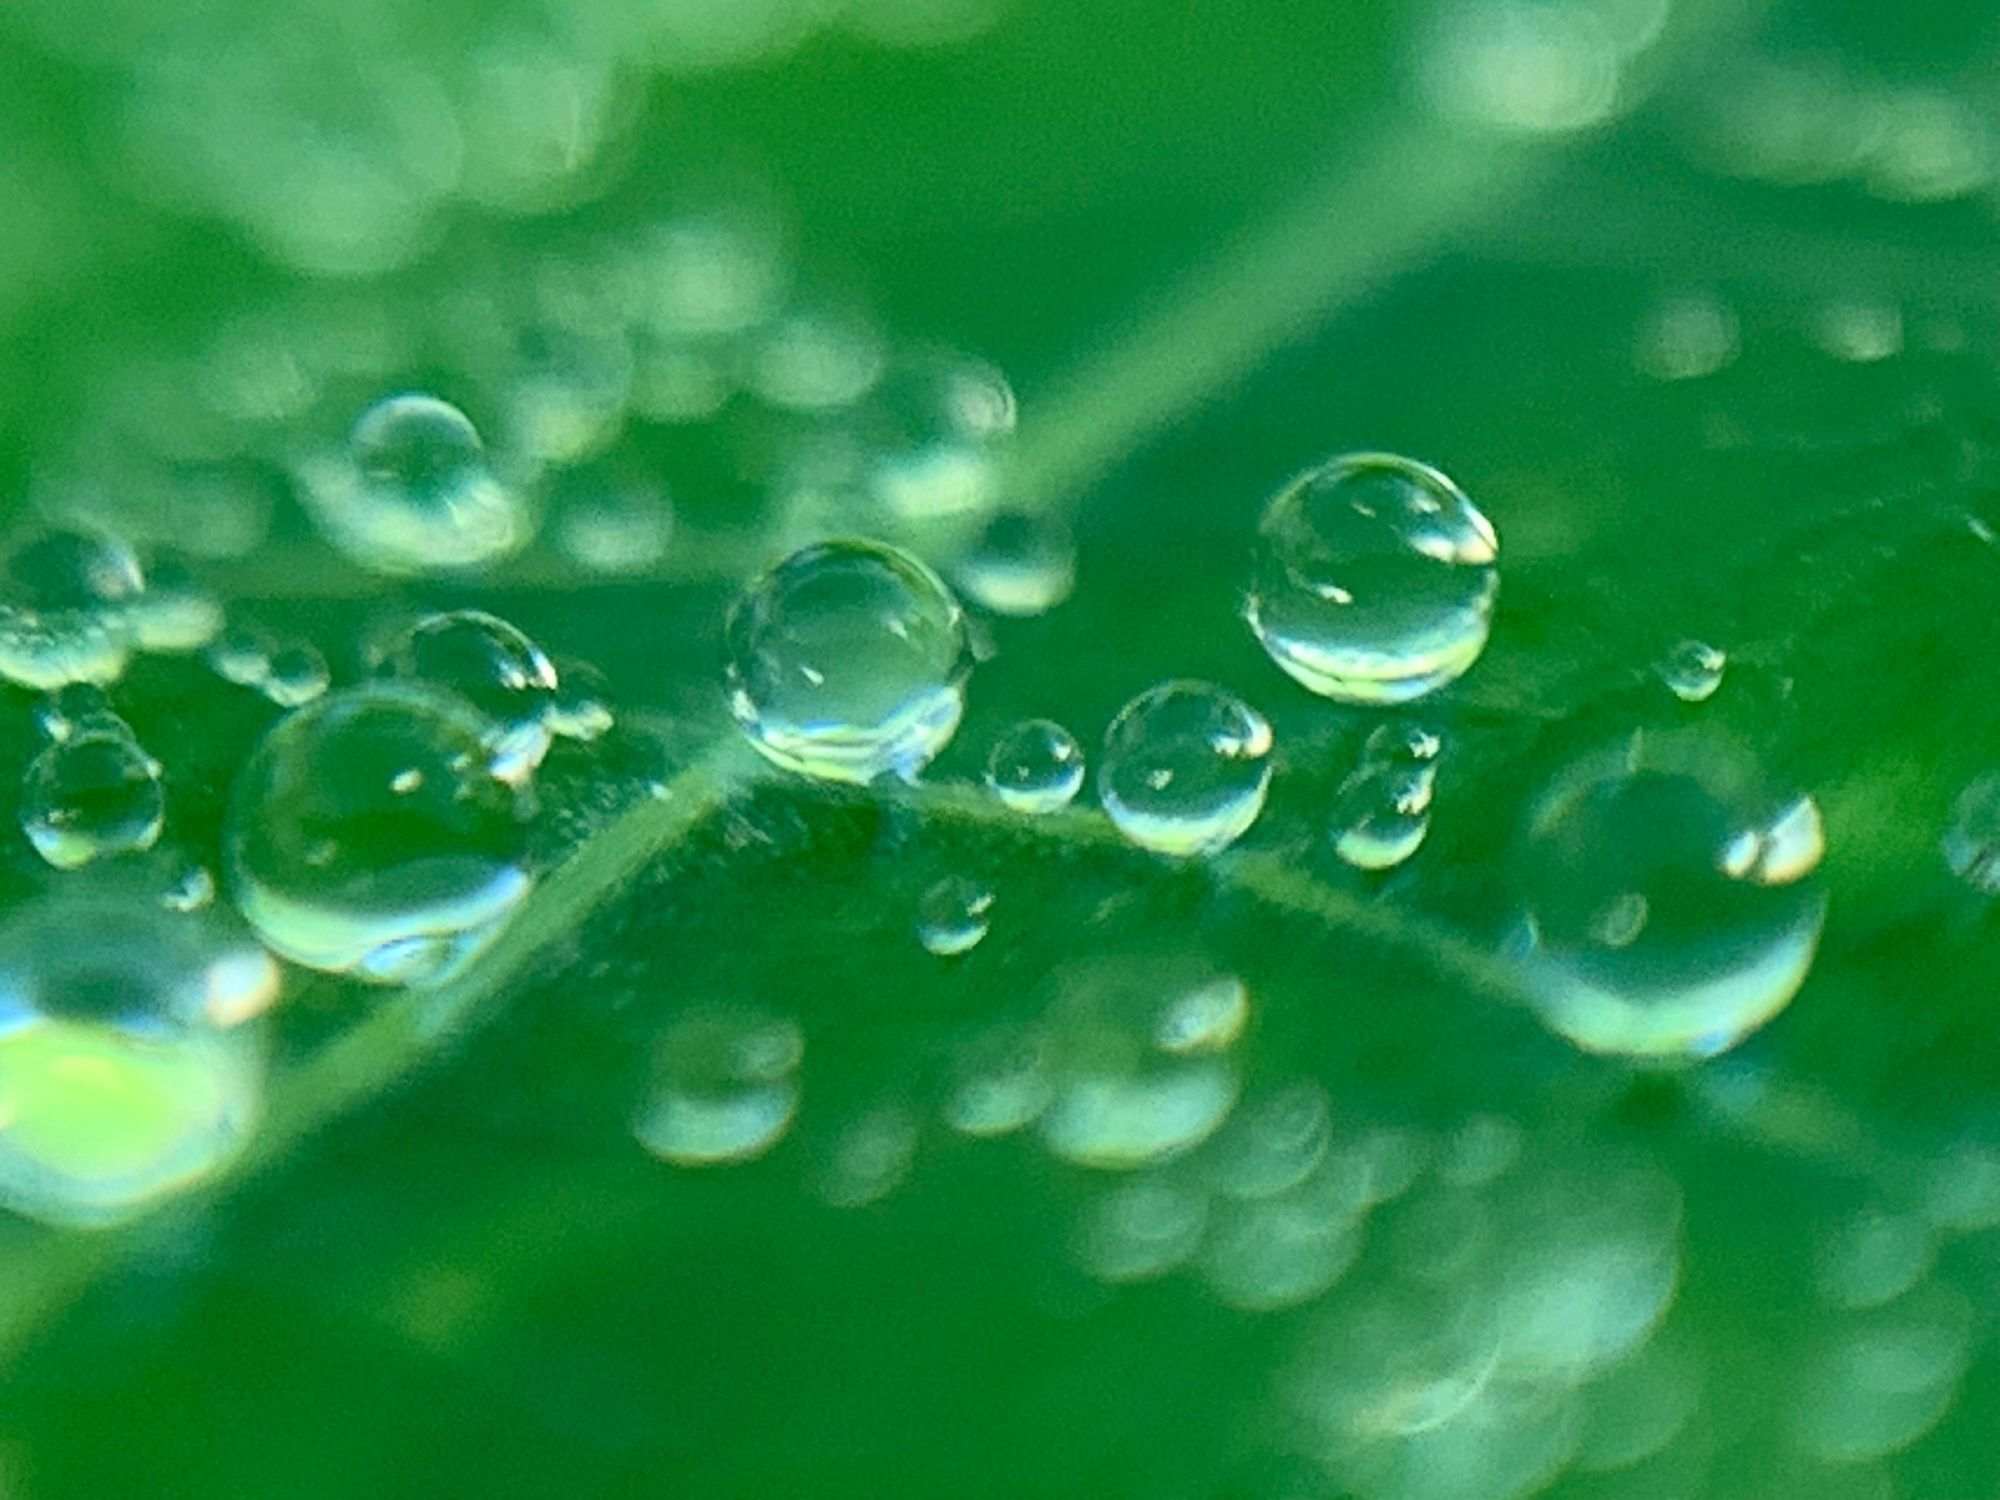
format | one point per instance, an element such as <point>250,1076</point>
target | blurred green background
<point>1696,298</point>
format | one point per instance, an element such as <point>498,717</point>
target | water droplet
<point>63,602</point>
<point>1882,1378</point>
<point>1019,565</point>
<point>1271,1144</point>
<point>725,1091</point>
<point>612,528</point>
<point>1873,1257</point>
<point>1972,842</point>
<point>847,661</point>
<point>871,1158</point>
<point>816,361</point>
<point>93,793</point>
<point>1267,1254</point>
<point>367,835</point>
<point>1127,1087</point>
<point>1686,338</point>
<point>935,428</point>
<point>492,666</point>
<point>192,889</point>
<point>1518,65</point>
<point>242,654</point>
<point>1374,579</point>
<point>295,673</point>
<point>1647,930</point>
<point>954,915</point>
<point>1185,769</point>
<point>61,713</point>
<point>176,612</point>
<point>127,1074</point>
<point>415,492</point>
<point>1141,1229</point>
<point>1000,1083</point>
<point>1036,767</point>
<point>1693,670</point>
<point>1382,812</point>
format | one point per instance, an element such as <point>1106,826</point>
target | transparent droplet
<point>64,597</point>
<point>1127,1089</point>
<point>1529,66</point>
<point>61,713</point>
<point>1374,579</point>
<point>1382,811</point>
<point>1266,1254</point>
<point>1693,670</point>
<point>935,429</point>
<point>176,612</point>
<point>367,835</point>
<point>1019,565</point>
<point>1972,842</point>
<point>192,889</point>
<point>953,916</point>
<point>1036,767</point>
<point>1879,1379</point>
<point>415,492</point>
<point>492,666</point>
<point>1646,928</point>
<point>1000,1083</point>
<point>127,1072</point>
<point>1873,1257</point>
<point>1271,1144</point>
<point>847,661</point>
<point>725,1088</point>
<point>93,793</point>
<point>295,673</point>
<point>1185,769</point>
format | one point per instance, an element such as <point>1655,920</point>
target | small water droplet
<point>1185,769</point>
<point>1972,843</point>
<point>93,793</point>
<point>63,600</point>
<point>1019,565</point>
<point>953,916</point>
<point>847,661</point>
<point>1375,579</point>
<point>1382,811</point>
<point>1693,670</point>
<point>1035,767</point>
<point>494,667</point>
<point>295,673</point>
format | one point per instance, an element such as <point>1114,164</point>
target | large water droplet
<point>415,491</point>
<point>1035,767</point>
<point>1374,579</point>
<point>127,1072</point>
<point>725,1088</point>
<point>492,666</point>
<point>94,792</point>
<point>367,834</point>
<point>64,597</point>
<point>1185,769</point>
<point>847,661</point>
<point>1647,930</point>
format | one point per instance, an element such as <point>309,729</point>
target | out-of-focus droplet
<point>1972,843</point>
<point>416,492</point>
<point>367,835</point>
<point>128,1072</point>
<point>1185,769</point>
<point>1668,904</point>
<point>1140,1229</point>
<point>176,612</point>
<point>935,428</point>
<point>92,793</point>
<point>1374,579</point>
<point>295,673</point>
<point>870,1159</point>
<point>491,665</point>
<point>64,598</point>
<point>1035,767</point>
<point>816,361</point>
<point>846,662</point>
<point>1020,564</point>
<point>612,528</point>
<point>1140,1064</point>
<point>1687,337</point>
<point>725,1089</point>
<point>953,916</point>
<point>1693,670</point>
